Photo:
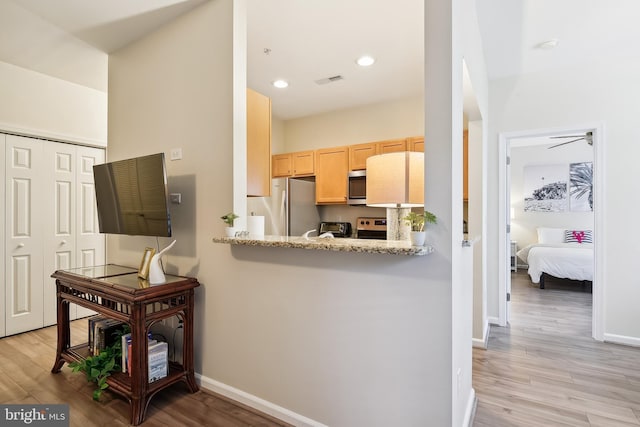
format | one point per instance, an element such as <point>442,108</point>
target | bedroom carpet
<point>546,370</point>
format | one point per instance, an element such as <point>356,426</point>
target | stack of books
<point>157,354</point>
<point>101,333</point>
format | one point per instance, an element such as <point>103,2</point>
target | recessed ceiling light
<point>280,84</point>
<point>548,44</point>
<point>365,61</point>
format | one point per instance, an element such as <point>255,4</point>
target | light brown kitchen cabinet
<point>282,165</point>
<point>300,163</point>
<point>391,146</point>
<point>258,144</point>
<point>465,165</point>
<point>303,163</point>
<point>359,153</point>
<point>415,143</point>
<point>332,169</point>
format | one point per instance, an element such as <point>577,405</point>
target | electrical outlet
<point>176,154</point>
<point>176,198</point>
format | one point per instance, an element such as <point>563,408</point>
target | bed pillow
<point>578,236</point>
<point>551,235</point>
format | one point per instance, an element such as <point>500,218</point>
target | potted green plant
<point>417,223</point>
<point>229,219</point>
<point>99,367</point>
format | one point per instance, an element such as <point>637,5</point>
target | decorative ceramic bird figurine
<point>156,275</point>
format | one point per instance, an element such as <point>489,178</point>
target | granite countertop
<point>393,247</point>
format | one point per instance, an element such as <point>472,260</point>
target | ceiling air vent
<point>329,80</point>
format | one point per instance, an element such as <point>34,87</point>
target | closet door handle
<point>64,242</point>
<point>20,245</point>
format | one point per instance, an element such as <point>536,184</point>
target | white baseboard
<point>471,409</point>
<point>493,320</point>
<point>622,339</point>
<point>256,403</point>
<point>478,343</point>
<point>482,342</point>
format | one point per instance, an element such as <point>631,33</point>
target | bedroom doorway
<point>521,221</point>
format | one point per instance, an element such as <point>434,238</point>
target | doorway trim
<point>599,225</point>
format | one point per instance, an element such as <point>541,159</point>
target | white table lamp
<point>396,181</point>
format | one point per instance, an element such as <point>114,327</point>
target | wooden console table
<point>118,293</point>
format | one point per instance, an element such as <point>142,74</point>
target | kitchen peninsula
<point>392,247</point>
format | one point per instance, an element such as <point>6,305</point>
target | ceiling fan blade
<point>567,136</point>
<point>564,143</point>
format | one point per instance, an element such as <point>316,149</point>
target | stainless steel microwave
<point>357,187</point>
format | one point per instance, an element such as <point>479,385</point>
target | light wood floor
<point>26,378</point>
<point>546,370</point>
<point>543,370</point>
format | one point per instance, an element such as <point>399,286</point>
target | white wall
<point>476,225</point>
<point>53,86</point>
<point>451,35</point>
<point>399,118</point>
<point>277,136</point>
<point>593,92</point>
<point>344,339</point>
<point>524,224</point>
<point>35,104</point>
<point>471,52</point>
<point>30,42</point>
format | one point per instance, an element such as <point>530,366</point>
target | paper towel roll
<point>255,226</point>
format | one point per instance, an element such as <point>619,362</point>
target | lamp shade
<point>396,180</point>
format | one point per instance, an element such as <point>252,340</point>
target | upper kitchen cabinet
<point>303,163</point>
<point>332,169</point>
<point>359,153</point>
<point>258,144</point>
<point>300,163</point>
<point>415,143</point>
<point>282,165</point>
<point>391,146</point>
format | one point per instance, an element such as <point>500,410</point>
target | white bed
<point>557,258</point>
<point>564,260</point>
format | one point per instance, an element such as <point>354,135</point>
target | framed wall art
<point>581,186</point>
<point>546,188</point>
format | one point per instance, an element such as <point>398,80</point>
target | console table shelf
<point>118,293</point>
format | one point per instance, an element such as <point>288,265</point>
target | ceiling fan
<point>588,136</point>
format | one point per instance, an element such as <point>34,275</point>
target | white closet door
<point>2,247</point>
<point>24,219</point>
<point>90,243</point>
<point>60,224</point>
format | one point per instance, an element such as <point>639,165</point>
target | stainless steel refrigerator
<point>291,210</point>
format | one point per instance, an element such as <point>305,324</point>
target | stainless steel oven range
<point>371,228</point>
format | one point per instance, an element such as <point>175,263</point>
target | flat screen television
<point>132,196</point>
